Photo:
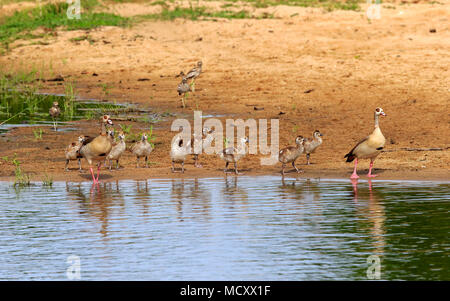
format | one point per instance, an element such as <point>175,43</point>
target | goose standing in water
<point>368,148</point>
<point>233,155</point>
<point>72,152</point>
<point>291,153</point>
<point>97,149</point>
<point>142,148</point>
<point>310,145</point>
<point>117,150</point>
<point>179,149</point>
<point>54,113</point>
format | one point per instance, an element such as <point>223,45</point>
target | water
<point>234,228</point>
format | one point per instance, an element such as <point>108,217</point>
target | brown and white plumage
<point>291,153</point>
<point>182,89</point>
<point>195,72</point>
<point>72,152</point>
<point>368,148</point>
<point>310,145</point>
<point>206,138</point>
<point>54,112</point>
<point>142,148</point>
<point>117,150</point>
<point>233,155</point>
<point>179,149</point>
<point>97,149</point>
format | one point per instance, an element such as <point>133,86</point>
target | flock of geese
<point>104,147</point>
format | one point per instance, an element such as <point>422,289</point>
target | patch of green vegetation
<point>47,181</point>
<point>197,13</point>
<point>83,38</point>
<point>327,4</point>
<point>38,134</point>
<point>21,179</point>
<point>53,15</point>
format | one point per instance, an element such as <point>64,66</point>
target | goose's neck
<point>376,121</point>
<point>103,129</point>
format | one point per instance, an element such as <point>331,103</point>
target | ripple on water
<point>233,228</point>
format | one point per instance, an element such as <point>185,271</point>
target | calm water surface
<point>233,228</point>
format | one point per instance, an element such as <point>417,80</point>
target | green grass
<point>197,13</point>
<point>21,24</point>
<point>21,179</point>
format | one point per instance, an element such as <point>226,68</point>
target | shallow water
<point>234,228</point>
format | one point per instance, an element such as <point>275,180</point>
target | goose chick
<point>310,145</point>
<point>205,139</point>
<point>182,89</point>
<point>117,150</point>
<point>142,149</point>
<point>95,150</point>
<point>194,73</point>
<point>233,155</point>
<point>54,113</point>
<point>368,148</point>
<point>72,152</point>
<point>291,153</point>
<point>179,150</point>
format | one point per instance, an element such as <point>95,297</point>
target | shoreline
<point>142,174</point>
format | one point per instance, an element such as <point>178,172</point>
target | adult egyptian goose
<point>142,148</point>
<point>54,113</point>
<point>291,153</point>
<point>233,155</point>
<point>179,149</point>
<point>368,148</point>
<point>97,149</point>
<point>72,152</point>
<point>117,150</point>
<point>206,139</point>
<point>310,145</point>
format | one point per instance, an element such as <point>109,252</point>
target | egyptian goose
<point>54,113</point>
<point>179,150</point>
<point>72,152</point>
<point>233,155</point>
<point>194,73</point>
<point>142,149</point>
<point>97,149</point>
<point>310,145</point>
<point>183,88</point>
<point>368,148</point>
<point>117,150</point>
<point>291,153</point>
<point>206,139</point>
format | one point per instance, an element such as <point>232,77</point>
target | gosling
<point>117,150</point>
<point>142,149</point>
<point>291,153</point>
<point>310,145</point>
<point>72,152</point>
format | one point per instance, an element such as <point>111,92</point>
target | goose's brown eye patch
<point>377,109</point>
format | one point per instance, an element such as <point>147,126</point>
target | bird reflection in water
<point>192,199</point>
<point>98,203</point>
<point>374,212</point>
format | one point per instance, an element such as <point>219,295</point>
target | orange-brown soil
<point>323,70</point>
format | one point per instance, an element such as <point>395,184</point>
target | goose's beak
<point>110,122</point>
<point>383,114</point>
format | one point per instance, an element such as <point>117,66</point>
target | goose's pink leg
<point>92,173</point>
<point>98,170</point>
<point>355,175</point>
<point>370,175</point>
